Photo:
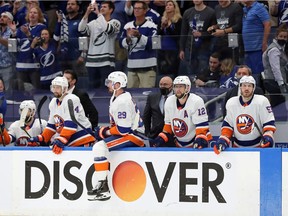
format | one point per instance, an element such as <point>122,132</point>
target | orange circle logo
<point>129,181</point>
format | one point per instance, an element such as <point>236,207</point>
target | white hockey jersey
<point>124,113</point>
<point>186,122</point>
<point>60,122</point>
<point>242,117</point>
<point>102,34</point>
<point>19,137</point>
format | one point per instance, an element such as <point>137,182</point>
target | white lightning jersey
<point>241,119</point>
<point>124,113</point>
<point>186,122</point>
<point>102,34</point>
<point>61,122</point>
<point>19,137</point>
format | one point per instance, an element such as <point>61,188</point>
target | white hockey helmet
<point>60,81</point>
<point>117,76</point>
<point>248,79</point>
<point>184,80</point>
<point>30,104</point>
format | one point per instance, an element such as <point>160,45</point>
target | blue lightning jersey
<point>25,58</point>
<point>49,64</point>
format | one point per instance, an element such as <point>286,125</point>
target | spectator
<point>21,130</point>
<point>3,102</point>
<point>4,6</point>
<point>275,63</point>
<point>101,52</point>
<point>6,59</point>
<point>123,12</point>
<point>137,39</point>
<point>153,116</point>
<point>90,110</point>
<point>45,51</point>
<point>255,32</point>
<point>151,14</point>
<point>228,70</point>
<point>209,77</point>
<point>195,40</point>
<point>124,120</point>
<point>170,28</point>
<point>20,12</point>
<point>280,10</point>
<point>68,132</point>
<point>242,70</point>
<point>229,20</point>
<point>186,118</point>
<point>27,68</point>
<point>247,116</point>
<point>66,31</point>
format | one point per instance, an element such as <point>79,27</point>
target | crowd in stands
<point>145,39</point>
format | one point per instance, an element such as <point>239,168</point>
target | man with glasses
<point>137,39</point>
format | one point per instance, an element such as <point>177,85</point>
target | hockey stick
<point>73,118</point>
<point>259,131</point>
<point>42,101</point>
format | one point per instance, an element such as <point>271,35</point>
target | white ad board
<point>141,183</point>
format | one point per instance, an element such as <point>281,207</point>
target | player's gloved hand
<point>36,141</point>
<point>100,132</point>
<point>160,140</point>
<point>2,124</point>
<point>201,141</point>
<point>267,141</point>
<point>283,89</point>
<point>58,145</point>
<point>221,144</point>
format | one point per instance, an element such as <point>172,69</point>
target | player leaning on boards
<point>246,116</point>
<point>68,132</point>
<point>124,120</point>
<point>185,118</point>
<point>21,130</point>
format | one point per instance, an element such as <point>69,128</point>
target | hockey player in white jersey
<point>248,117</point>
<point>124,120</point>
<point>185,118</point>
<point>23,129</point>
<point>68,133</point>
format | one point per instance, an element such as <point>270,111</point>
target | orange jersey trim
<point>227,132</point>
<point>114,131</point>
<point>47,134</point>
<point>83,140</point>
<point>167,128</point>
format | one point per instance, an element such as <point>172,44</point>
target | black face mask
<point>281,42</point>
<point>164,91</point>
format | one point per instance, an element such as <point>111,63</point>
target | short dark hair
<point>110,4</point>
<point>72,73</point>
<point>145,6</point>
<point>216,55</point>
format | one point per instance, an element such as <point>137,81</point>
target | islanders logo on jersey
<point>59,123</point>
<point>244,123</point>
<point>22,141</point>
<point>180,127</point>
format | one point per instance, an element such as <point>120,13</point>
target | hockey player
<point>68,133</point>
<point>185,118</point>
<point>21,130</point>
<point>248,116</point>
<point>124,120</point>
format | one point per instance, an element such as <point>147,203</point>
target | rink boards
<point>146,181</point>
